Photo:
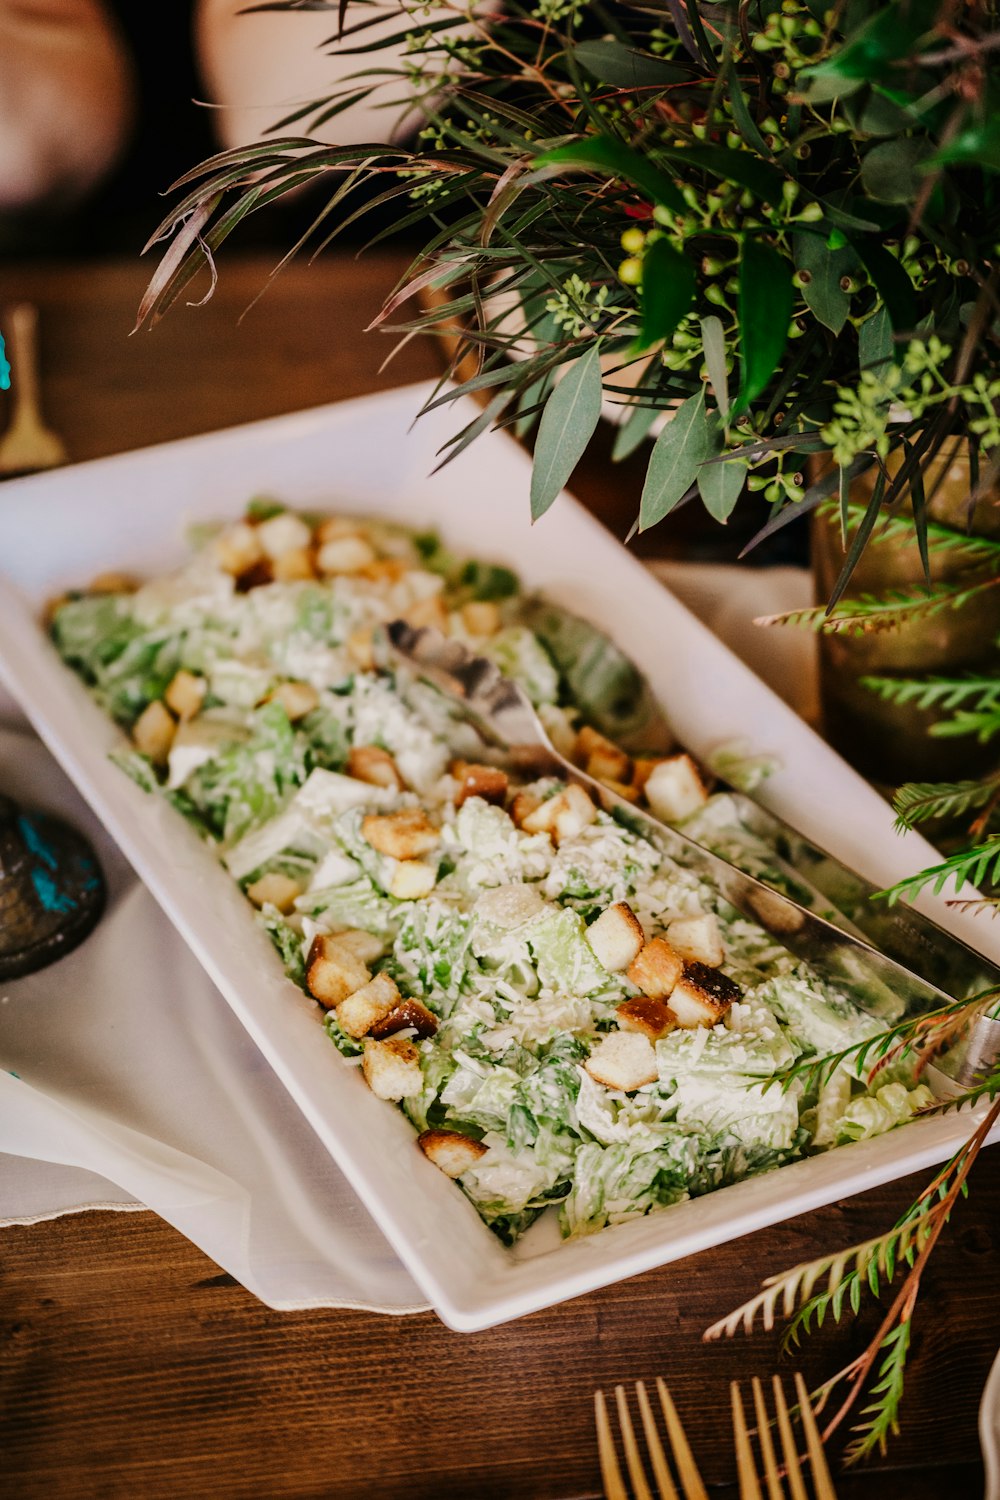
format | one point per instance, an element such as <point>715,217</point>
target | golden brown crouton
<point>623,1060</point>
<point>256,576</point>
<point>626,793</point>
<point>402,835</point>
<point>237,548</point>
<point>296,698</point>
<point>653,1018</point>
<point>675,789</point>
<point>408,1013</point>
<point>294,566</point>
<point>392,1068</point>
<point>112,583</point>
<point>563,816</point>
<point>488,782</point>
<point>344,555</point>
<point>374,765</point>
<point>523,805</point>
<point>185,694</point>
<point>481,617</point>
<point>702,996</point>
<point>282,534</point>
<point>362,1011</point>
<point>412,880</point>
<point>452,1152</point>
<point>364,945</point>
<point>656,969</point>
<point>386,570</point>
<point>430,612</point>
<point>153,732</point>
<point>334,527</point>
<point>601,758</point>
<point>361,648</point>
<point>642,770</point>
<point>616,937</point>
<point>697,939</point>
<point>274,889</point>
<point>333,970</point>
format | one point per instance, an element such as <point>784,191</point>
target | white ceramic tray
<point>59,529</point>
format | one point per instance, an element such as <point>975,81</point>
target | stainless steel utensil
<point>505,720</point>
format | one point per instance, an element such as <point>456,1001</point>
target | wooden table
<point>130,1366</point>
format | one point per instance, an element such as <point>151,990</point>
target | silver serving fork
<point>505,720</point>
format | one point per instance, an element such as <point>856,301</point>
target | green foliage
<point>979,865</point>
<point>799,199</point>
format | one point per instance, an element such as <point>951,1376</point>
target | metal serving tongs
<point>505,720</point>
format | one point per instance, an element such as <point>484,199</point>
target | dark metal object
<point>52,890</point>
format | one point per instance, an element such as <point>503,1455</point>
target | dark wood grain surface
<point>130,1366</point>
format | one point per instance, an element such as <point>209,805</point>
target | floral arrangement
<point>778,223</point>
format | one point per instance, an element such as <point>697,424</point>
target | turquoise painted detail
<point>4,367</point>
<point>33,838</point>
<point>49,894</point>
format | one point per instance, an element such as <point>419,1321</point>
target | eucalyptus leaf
<point>821,270</point>
<point>678,454</point>
<point>713,342</point>
<point>720,485</point>
<point>605,153</point>
<point>875,346</point>
<point>869,53</point>
<point>891,171</point>
<point>977,146</point>
<point>891,282</point>
<point>568,421</point>
<point>765,303</point>
<point>668,288</point>
<point>625,68</point>
<point>633,431</point>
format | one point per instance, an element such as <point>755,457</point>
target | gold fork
<point>611,1474</point>
<point>749,1483</point>
<point>28,444</point>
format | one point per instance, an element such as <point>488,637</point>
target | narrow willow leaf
<point>875,347</point>
<point>720,485</point>
<point>668,286</point>
<point>633,431</point>
<point>605,153</point>
<point>861,536</point>
<point>568,421</point>
<point>890,280</point>
<point>677,456</point>
<point>765,303</point>
<point>713,342</point>
<point>625,68</point>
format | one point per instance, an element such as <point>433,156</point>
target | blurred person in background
<point>81,79</point>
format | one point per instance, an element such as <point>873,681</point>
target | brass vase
<point>889,742</point>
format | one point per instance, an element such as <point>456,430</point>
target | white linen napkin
<point>126,1081</point>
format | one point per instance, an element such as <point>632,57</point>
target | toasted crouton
<point>412,880</point>
<point>627,792</point>
<point>153,732</point>
<point>294,566</point>
<point>362,1011</point>
<point>374,765</point>
<point>702,996</point>
<point>346,554</point>
<point>361,648</point>
<point>563,816</point>
<point>283,533</point>
<point>642,770</point>
<point>675,789</point>
<point>333,970</point>
<point>616,937</point>
<point>255,576</point>
<point>656,969</point>
<point>185,694</point>
<point>488,782</point>
<point>430,611</point>
<point>274,889</point>
<point>402,835</point>
<point>112,583</point>
<point>523,805</point>
<point>335,527</point>
<point>452,1152</point>
<point>623,1060</point>
<point>386,570</point>
<point>296,698</point>
<point>392,1068</point>
<point>601,758</point>
<point>238,548</point>
<point>481,617</point>
<point>697,939</point>
<point>364,945</point>
<point>653,1018</point>
<point>408,1013</point>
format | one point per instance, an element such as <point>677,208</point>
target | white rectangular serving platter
<point>58,530</point>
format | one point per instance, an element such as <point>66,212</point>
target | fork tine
<point>661,1470</point>
<point>686,1468</point>
<point>821,1473</point>
<point>749,1488</point>
<point>611,1474</point>
<point>774,1491</point>
<point>632,1456</point>
<point>788,1445</point>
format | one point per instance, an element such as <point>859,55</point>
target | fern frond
<point>918,801</point>
<point>871,613</point>
<point>883,1413</point>
<point>899,528</point>
<point>939,692</point>
<point>979,865</point>
<point>983,725</point>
